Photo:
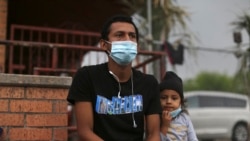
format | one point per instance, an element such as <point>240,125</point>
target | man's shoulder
<point>94,67</point>
<point>144,76</point>
<point>141,74</point>
<point>91,70</point>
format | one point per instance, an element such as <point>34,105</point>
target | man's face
<point>122,31</point>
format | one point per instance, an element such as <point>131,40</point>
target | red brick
<point>11,92</point>
<point>60,134</point>
<point>4,105</point>
<point>3,15</point>
<point>31,134</point>
<point>2,50</point>
<point>2,56</point>
<point>3,3</point>
<point>30,106</point>
<point>2,23</point>
<point>8,119</point>
<point>3,26</point>
<point>46,120</point>
<point>3,9</point>
<point>60,106</point>
<point>3,35</point>
<point>46,93</point>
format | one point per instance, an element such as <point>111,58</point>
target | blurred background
<point>189,37</point>
<point>206,42</point>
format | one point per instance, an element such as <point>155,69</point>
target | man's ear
<point>103,45</point>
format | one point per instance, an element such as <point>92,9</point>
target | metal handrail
<point>152,55</point>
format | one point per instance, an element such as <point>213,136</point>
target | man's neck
<point>122,72</point>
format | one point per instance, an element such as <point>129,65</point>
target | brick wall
<point>3,26</point>
<point>34,107</point>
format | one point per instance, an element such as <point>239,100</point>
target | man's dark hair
<point>117,18</point>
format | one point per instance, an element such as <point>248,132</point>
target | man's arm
<point>85,121</point>
<point>153,127</point>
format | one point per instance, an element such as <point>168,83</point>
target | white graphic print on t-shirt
<point>116,106</point>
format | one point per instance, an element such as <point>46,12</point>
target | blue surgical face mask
<point>175,112</point>
<point>123,52</point>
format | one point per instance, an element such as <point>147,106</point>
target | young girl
<point>175,122</point>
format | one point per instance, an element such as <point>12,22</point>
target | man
<point>112,100</point>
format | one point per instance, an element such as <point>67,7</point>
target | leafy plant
<point>243,23</point>
<point>217,82</point>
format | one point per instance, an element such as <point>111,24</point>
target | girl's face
<point>170,100</point>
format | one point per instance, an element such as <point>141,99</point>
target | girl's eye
<point>175,98</point>
<point>162,97</point>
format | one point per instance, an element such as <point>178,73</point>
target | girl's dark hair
<point>117,18</point>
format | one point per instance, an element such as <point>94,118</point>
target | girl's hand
<point>166,118</point>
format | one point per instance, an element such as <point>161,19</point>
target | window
<point>214,101</point>
<point>234,102</point>
<point>211,101</point>
<point>192,102</point>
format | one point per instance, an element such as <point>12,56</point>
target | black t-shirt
<point>113,115</point>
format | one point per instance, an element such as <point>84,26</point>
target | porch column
<point>3,26</point>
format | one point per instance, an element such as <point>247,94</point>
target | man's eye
<point>133,35</point>
<point>119,35</point>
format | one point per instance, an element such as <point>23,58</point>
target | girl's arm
<point>191,132</point>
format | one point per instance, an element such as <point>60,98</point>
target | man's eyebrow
<point>121,31</point>
<point>132,33</point>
